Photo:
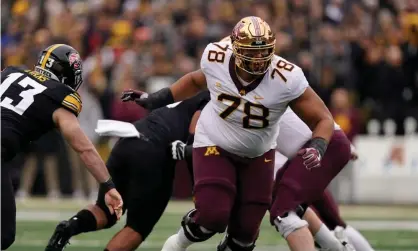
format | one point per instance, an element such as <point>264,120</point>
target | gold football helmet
<point>253,45</point>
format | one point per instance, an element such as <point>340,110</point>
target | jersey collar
<point>242,89</point>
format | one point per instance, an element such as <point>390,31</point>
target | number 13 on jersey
<point>249,119</point>
<point>27,95</point>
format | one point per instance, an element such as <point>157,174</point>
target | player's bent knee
<point>288,224</point>
<point>193,231</point>
<point>111,218</point>
<point>143,229</point>
<point>126,239</point>
<point>214,219</point>
<point>7,239</point>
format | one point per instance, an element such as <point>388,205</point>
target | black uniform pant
<point>143,173</point>
<point>8,209</point>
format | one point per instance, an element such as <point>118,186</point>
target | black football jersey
<point>171,122</point>
<point>28,100</point>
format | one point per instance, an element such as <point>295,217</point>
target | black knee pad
<point>111,218</point>
<point>7,240</point>
<point>301,210</point>
<point>233,246</point>
<point>192,231</point>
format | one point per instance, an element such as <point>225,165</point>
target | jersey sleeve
<point>73,103</point>
<point>289,78</point>
<point>297,85</point>
<point>215,57</point>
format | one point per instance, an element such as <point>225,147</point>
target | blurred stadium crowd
<point>360,56</point>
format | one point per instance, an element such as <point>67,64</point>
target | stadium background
<point>360,56</point>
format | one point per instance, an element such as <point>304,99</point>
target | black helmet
<point>62,63</point>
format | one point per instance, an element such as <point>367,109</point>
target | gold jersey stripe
<point>69,105</point>
<point>72,102</point>
<point>48,53</point>
<point>76,96</point>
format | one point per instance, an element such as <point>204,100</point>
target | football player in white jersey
<point>293,135</point>
<point>233,154</point>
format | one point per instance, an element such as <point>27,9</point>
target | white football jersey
<point>242,119</point>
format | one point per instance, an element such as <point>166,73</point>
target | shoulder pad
<point>64,96</point>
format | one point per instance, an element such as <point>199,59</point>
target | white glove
<point>177,150</point>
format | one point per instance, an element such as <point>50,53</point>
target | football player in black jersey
<point>35,102</point>
<point>143,171</point>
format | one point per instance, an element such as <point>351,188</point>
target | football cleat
<point>60,238</point>
<point>171,244</point>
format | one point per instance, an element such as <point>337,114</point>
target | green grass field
<point>387,228</point>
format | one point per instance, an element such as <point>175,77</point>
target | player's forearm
<point>95,164</point>
<point>324,129</point>
<point>88,154</point>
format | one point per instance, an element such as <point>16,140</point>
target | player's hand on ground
<point>133,95</point>
<point>311,157</point>
<point>114,202</point>
<point>177,150</point>
<point>353,153</point>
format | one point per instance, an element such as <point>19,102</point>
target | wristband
<point>319,144</point>
<point>158,99</point>
<point>107,185</point>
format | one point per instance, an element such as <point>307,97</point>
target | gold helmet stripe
<point>256,26</point>
<point>48,53</point>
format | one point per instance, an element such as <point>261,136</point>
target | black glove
<point>312,155</point>
<point>133,95</point>
<point>178,150</point>
<point>150,102</point>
